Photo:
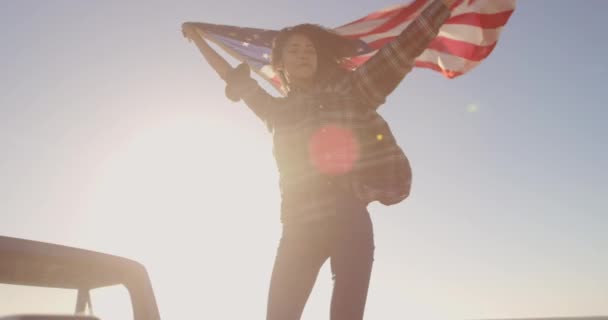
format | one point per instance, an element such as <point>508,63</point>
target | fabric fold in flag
<point>464,41</point>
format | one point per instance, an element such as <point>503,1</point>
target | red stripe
<point>420,64</point>
<point>487,21</point>
<point>462,49</point>
<point>459,48</point>
<point>276,82</point>
<point>386,14</point>
<point>373,16</point>
<point>403,15</point>
<point>429,65</point>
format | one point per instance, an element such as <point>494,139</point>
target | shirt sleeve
<point>381,74</point>
<point>240,86</point>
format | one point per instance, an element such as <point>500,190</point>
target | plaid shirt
<point>331,137</point>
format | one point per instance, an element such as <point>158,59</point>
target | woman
<point>335,154</point>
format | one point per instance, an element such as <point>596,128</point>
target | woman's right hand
<point>219,64</point>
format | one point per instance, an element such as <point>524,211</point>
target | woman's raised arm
<point>219,64</point>
<point>240,85</point>
<point>381,74</point>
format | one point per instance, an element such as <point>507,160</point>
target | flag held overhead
<point>464,41</point>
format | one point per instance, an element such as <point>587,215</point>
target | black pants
<point>347,241</point>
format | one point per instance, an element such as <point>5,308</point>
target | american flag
<point>466,38</point>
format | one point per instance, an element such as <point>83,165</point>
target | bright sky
<point>116,136</point>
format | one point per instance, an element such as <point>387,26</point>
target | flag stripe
<point>484,7</point>
<point>481,20</point>
<point>470,34</point>
<point>461,32</point>
<point>410,9</point>
<point>361,27</point>
<point>467,38</point>
<point>433,66</point>
<point>462,49</point>
<point>447,61</point>
<point>405,14</point>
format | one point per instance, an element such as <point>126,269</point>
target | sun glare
<point>180,195</point>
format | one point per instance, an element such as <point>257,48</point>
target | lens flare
<point>333,150</point>
<point>472,108</point>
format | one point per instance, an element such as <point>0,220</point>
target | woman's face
<point>299,59</point>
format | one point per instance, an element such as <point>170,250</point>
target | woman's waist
<point>312,181</point>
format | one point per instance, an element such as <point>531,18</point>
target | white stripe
<point>268,71</point>
<point>460,32</point>
<point>391,33</point>
<point>361,27</point>
<point>466,33</point>
<point>447,61</point>
<point>484,7</point>
<point>444,60</point>
<point>366,26</point>
<point>470,34</point>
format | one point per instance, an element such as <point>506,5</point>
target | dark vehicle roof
<point>27,262</point>
<point>34,263</point>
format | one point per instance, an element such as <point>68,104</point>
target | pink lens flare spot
<point>333,150</point>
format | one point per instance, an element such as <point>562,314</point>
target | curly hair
<point>332,49</point>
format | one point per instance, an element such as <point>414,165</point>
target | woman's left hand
<point>188,30</point>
